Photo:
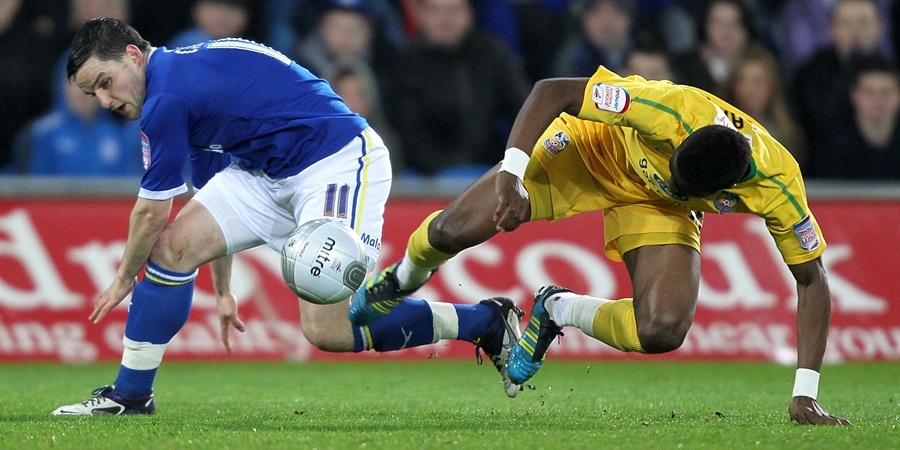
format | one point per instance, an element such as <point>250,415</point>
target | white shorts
<point>351,186</point>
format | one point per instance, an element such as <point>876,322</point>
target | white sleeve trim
<point>162,195</point>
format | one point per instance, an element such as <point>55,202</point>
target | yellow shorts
<point>579,178</point>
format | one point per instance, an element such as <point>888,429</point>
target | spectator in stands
<point>79,12</point>
<point>77,138</point>
<point>453,95</point>
<point>603,37</point>
<point>355,82</point>
<point>540,22</point>
<point>161,20</point>
<point>302,23</point>
<point>82,10</point>
<point>755,87</point>
<point>343,33</point>
<point>667,23</point>
<point>652,63</point>
<point>895,26</point>
<point>866,147</point>
<point>214,19</point>
<point>804,27</point>
<point>28,46</point>
<point>725,30</point>
<point>821,86</point>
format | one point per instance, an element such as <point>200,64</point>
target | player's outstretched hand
<point>808,412</point>
<point>226,305</point>
<point>108,299</point>
<point>514,205</point>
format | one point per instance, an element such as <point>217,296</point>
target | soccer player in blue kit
<point>269,143</point>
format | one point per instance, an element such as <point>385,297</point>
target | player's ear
<point>134,54</point>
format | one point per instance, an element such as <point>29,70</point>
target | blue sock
<point>473,319</point>
<point>407,325</point>
<point>160,305</point>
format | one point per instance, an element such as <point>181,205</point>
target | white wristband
<point>515,161</point>
<point>806,383</point>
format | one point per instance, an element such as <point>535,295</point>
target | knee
<point>327,328</point>
<point>321,338</point>
<point>165,255</point>
<point>450,233</point>
<point>444,234</point>
<point>663,333</point>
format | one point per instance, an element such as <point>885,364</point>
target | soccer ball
<point>323,261</point>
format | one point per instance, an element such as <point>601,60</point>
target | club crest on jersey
<point>145,149</point>
<point>556,143</point>
<point>806,234</point>
<point>725,202</point>
<point>610,98</point>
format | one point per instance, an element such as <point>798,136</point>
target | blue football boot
<point>378,297</point>
<point>527,355</point>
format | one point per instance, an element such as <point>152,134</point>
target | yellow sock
<point>615,325</point>
<point>419,249</point>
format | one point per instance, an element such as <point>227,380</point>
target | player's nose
<point>104,98</point>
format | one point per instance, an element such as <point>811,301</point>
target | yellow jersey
<point>649,119</point>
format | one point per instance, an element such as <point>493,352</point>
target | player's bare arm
<point>226,301</point>
<point>547,100</point>
<point>813,315</point>
<point>148,219</point>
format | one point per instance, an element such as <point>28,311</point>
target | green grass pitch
<point>450,404</point>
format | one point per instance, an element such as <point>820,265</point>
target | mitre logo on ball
<point>323,261</point>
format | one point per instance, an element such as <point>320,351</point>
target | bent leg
<point>666,280</point>
<point>468,220</point>
<point>326,326</point>
<point>161,301</point>
<point>194,238</point>
<point>411,324</point>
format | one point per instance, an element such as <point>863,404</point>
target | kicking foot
<point>378,297</point>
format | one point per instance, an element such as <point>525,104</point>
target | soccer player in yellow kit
<point>653,156</point>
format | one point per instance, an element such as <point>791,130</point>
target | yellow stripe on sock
<point>368,333</point>
<point>159,280</point>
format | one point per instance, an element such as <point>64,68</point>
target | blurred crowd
<point>442,80</point>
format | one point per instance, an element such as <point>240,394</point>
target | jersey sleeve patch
<point>610,98</point>
<point>806,234</point>
<point>556,143</point>
<point>145,149</point>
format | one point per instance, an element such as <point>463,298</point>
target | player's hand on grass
<point>808,412</point>
<point>514,205</point>
<point>108,299</point>
<point>226,304</point>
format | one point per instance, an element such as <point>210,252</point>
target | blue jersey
<point>233,100</point>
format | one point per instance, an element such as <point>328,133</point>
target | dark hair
<point>104,38</point>
<point>873,64</point>
<point>648,49</point>
<point>748,18</point>
<point>713,158</point>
